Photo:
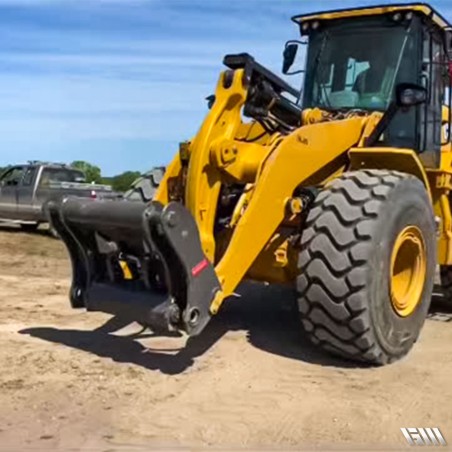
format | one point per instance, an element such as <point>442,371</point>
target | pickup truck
<point>25,191</point>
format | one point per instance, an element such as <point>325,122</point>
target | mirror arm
<point>301,71</point>
<point>402,89</point>
<point>382,124</point>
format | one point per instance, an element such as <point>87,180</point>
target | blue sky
<point>120,82</point>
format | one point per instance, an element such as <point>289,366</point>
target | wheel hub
<point>408,270</point>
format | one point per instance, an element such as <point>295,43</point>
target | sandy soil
<point>74,380</point>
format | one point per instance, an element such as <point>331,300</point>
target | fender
<point>407,161</point>
<point>404,160</point>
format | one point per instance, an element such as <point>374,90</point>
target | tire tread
<point>332,291</point>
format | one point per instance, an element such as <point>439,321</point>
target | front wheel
<point>367,265</point>
<point>53,232</point>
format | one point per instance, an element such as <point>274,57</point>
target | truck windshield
<point>356,64</point>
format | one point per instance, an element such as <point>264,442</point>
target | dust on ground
<point>85,381</point>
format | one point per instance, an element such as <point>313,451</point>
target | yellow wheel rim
<point>408,270</point>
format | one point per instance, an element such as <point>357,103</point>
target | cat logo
<point>303,140</point>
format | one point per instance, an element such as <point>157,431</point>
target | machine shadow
<point>268,316</point>
<point>440,309</point>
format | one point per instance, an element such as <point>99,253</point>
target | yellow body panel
<point>203,178</point>
<point>403,160</point>
<point>424,9</point>
<point>301,158</point>
<point>172,172</point>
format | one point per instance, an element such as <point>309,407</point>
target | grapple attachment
<point>142,262</point>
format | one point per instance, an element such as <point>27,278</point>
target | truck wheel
<point>367,265</point>
<point>29,227</point>
<point>53,232</point>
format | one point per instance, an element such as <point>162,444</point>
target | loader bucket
<point>143,262</point>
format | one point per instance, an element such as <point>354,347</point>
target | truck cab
<point>26,190</point>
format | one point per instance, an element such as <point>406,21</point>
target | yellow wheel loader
<point>340,189</point>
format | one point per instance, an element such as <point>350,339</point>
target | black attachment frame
<point>171,283</point>
<point>265,93</point>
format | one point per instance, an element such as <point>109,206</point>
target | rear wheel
<point>367,265</point>
<point>143,189</point>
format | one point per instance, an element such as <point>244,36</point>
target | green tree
<point>122,181</point>
<point>107,180</point>
<point>92,172</point>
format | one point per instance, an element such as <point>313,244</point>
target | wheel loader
<point>340,189</point>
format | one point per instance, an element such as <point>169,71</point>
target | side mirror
<point>289,54</point>
<point>210,101</point>
<point>410,94</point>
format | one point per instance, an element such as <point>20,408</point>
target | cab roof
<point>421,8</point>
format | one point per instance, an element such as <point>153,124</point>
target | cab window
<point>12,177</point>
<point>29,176</point>
<point>52,175</point>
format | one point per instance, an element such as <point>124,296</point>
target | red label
<point>198,268</point>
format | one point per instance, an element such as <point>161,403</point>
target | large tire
<point>344,286</point>
<point>143,189</point>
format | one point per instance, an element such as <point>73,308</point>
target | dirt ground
<point>83,381</point>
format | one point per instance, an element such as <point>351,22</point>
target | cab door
<point>9,184</point>
<point>431,112</point>
<point>26,208</point>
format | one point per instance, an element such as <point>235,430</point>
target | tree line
<point>93,173</point>
<point>120,182</point>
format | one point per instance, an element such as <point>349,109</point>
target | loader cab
<point>356,60</point>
